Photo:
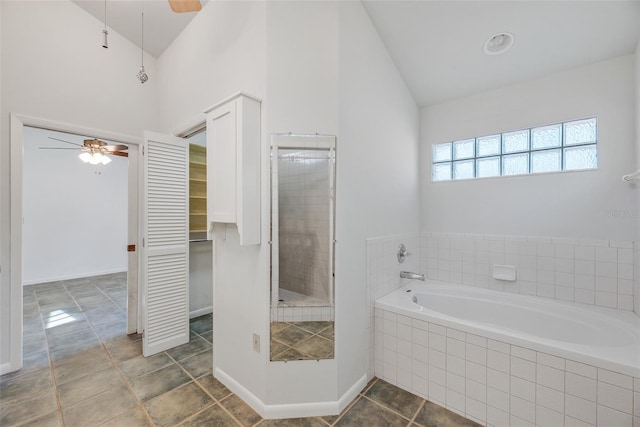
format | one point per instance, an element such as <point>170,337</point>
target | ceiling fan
<point>93,150</point>
<point>180,6</point>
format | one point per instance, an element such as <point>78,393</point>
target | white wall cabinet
<point>233,175</point>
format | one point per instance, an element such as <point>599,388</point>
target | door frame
<point>18,122</point>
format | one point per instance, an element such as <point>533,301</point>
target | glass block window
<point>551,148</point>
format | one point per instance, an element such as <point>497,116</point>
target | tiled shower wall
<point>383,274</point>
<point>596,272</point>
<point>303,194</point>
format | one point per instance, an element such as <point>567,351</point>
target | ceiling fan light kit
<point>181,6</point>
<point>142,74</point>
<point>105,33</point>
<point>94,151</point>
<point>95,158</point>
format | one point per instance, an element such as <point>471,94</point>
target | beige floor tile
<point>289,354</point>
<point>52,419</point>
<point>200,364</point>
<point>201,324</point>
<point>143,365</point>
<point>294,422</point>
<point>81,364</point>
<point>177,405</point>
<point>214,387</point>
<point>291,336</point>
<point>158,382</point>
<point>87,386</point>
<point>279,326</point>
<point>99,408</point>
<point>365,413</point>
<point>132,418</point>
<point>314,327</point>
<point>194,346</point>
<point>240,410</point>
<point>211,416</point>
<point>127,350</point>
<point>433,415</point>
<point>328,333</point>
<point>23,386</point>
<point>394,398</point>
<point>123,339</point>
<point>276,348</point>
<point>316,347</point>
<point>20,411</point>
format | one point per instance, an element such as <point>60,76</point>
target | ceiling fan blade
<point>57,148</point>
<point>119,153</point>
<point>114,147</point>
<point>62,140</point>
<point>180,6</point>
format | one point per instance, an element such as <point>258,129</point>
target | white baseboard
<point>5,368</point>
<point>200,312</point>
<point>294,410</point>
<point>72,276</point>
<point>351,394</point>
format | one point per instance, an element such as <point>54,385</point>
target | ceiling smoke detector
<point>499,43</point>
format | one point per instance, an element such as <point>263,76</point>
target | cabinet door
<point>222,161</point>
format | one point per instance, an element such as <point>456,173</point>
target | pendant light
<point>142,74</point>
<point>105,33</point>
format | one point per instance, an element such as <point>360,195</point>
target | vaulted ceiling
<point>161,25</point>
<point>437,45</point>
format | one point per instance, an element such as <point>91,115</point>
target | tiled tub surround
<point>596,272</point>
<point>501,379</point>
<point>383,274</point>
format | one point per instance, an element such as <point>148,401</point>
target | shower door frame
<point>303,142</point>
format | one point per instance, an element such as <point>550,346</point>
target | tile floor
<point>301,340</point>
<point>80,369</point>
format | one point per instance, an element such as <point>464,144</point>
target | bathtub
<point>444,341</point>
<point>606,338</point>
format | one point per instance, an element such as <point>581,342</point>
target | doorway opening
<point>74,240</point>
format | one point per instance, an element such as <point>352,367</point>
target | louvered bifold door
<point>165,251</point>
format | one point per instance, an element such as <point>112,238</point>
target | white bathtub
<point>601,337</point>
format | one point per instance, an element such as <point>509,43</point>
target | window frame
<point>530,151</point>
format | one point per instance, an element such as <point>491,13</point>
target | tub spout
<point>410,275</point>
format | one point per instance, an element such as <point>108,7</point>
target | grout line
<point>413,419</point>
<point>346,409</point>
<point>386,408</point>
<point>51,371</point>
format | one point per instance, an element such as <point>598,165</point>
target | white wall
<point>302,97</point>
<point>75,214</point>
<point>323,69</point>
<point>200,278</point>
<point>377,175</point>
<point>53,67</point>
<point>571,204</point>
<point>223,51</point>
<point>636,289</point>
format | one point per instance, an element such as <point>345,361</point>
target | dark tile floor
<point>301,340</point>
<point>82,370</point>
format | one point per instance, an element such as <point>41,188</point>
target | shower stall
<point>302,227</point>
